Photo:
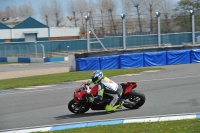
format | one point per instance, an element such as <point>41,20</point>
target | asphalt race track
<point>175,90</point>
<point>31,66</point>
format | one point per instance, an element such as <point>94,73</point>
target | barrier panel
<point>83,64</point>
<point>56,59</point>
<point>3,59</point>
<point>155,58</point>
<point>139,60</point>
<point>131,60</point>
<point>178,57</point>
<point>109,62</point>
<point>195,56</point>
<point>23,60</point>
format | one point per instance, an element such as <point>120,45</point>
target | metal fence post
<point>193,27</point>
<point>88,34</point>
<point>158,16</point>
<point>35,49</point>
<point>43,54</point>
<point>124,30</point>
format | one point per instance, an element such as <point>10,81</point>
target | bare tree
<point>8,12</point>
<point>151,6</point>
<point>1,15</point>
<point>72,9</point>
<point>45,12</point>
<point>127,9</point>
<point>82,9</point>
<point>92,10</point>
<point>137,5</point>
<point>57,12</point>
<point>26,10</point>
<point>167,8</point>
<point>110,7</point>
<point>100,6</point>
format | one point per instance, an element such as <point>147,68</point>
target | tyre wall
<point>135,60</point>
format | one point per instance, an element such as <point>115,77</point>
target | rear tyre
<point>77,108</point>
<point>135,100</point>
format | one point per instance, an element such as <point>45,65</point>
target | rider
<point>107,86</point>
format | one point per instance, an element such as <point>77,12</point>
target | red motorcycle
<point>80,104</point>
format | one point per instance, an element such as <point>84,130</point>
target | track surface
<point>31,66</point>
<point>172,91</point>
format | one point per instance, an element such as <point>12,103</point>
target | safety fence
<point>136,60</point>
<point>48,48</point>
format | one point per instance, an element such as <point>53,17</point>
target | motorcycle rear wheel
<point>77,108</point>
<point>136,98</point>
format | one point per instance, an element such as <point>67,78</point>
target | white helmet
<point>97,76</point>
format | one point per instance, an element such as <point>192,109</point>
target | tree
<point>92,10</point>
<point>101,9</point>
<point>183,17</point>
<point>8,12</point>
<point>127,9</point>
<point>109,6</point>
<point>72,9</point>
<point>57,12</point>
<point>151,6</point>
<point>25,10</point>
<point>45,12</point>
<point>1,15</point>
<point>167,10</point>
<point>82,9</point>
<point>137,5</point>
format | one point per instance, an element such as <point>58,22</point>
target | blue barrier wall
<point>178,57</point>
<point>155,58</point>
<point>139,60</point>
<point>195,56</point>
<point>131,60</point>
<point>109,62</point>
<point>83,64</point>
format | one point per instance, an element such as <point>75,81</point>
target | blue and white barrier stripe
<point>31,60</point>
<point>106,122</point>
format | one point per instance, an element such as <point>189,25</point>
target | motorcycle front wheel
<point>135,100</point>
<point>77,108</point>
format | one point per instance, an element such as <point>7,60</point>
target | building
<point>31,30</point>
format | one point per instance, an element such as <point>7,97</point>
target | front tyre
<point>77,108</point>
<point>135,100</point>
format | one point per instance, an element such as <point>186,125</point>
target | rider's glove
<point>91,99</point>
<point>89,82</point>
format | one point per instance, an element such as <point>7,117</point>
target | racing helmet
<point>97,76</point>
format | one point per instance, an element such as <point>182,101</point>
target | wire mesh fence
<point>139,32</point>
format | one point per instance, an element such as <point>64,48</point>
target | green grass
<point>63,77</point>
<point>180,126</point>
<point>6,63</point>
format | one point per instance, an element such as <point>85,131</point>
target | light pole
<point>193,27</point>
<point>88,36</point>
<point>67,50</point>
<point>124,30</point>
<point>158,16</point>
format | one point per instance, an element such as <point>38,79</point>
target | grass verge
<point>180,126</point>
<point>64,77</point>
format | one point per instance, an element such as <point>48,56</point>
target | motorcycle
<point>80,104</point>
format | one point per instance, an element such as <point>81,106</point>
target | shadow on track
<point>96,113</point>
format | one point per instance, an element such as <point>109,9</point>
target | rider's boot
<point>119,105</point>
